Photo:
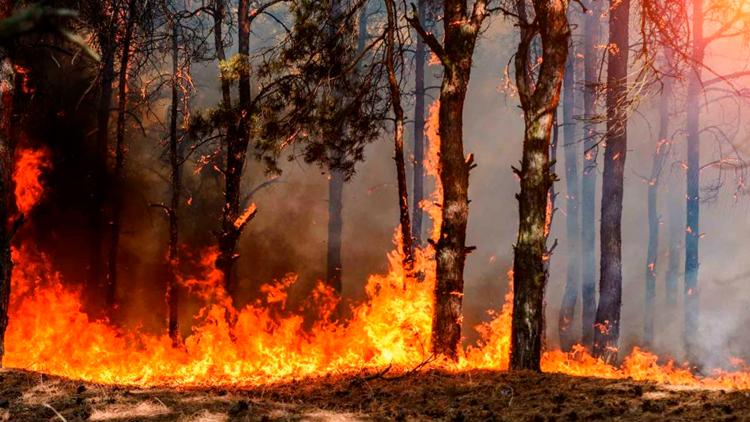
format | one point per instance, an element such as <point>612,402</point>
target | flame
<point>266,342</point>
<point>432,166</point>
<point>30,164</point>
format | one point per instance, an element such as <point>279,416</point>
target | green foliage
<point>230,69</point>
<point>332,102</point>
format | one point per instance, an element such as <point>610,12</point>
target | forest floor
<point>428,395</point>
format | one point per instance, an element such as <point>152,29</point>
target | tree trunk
<point>218,15</point>
<point>592,29</point>
<point>335,225</point>
<point>7,84</point>
<point>398,137</point>
<point>572,217</point>
<point>172,292</point>
<point>460,34</point>
<point>420,59</point>
<point>237,140</point>
<point>337,177</point>
<point>676,237</point>
<point>539,101</point>
<point>95,284</point>
<point>692,232</point>
<point>451,246</point>
<point>607,330</point>
<point>117,185</point>
<point>660,155</point>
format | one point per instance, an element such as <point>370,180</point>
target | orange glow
<point>432,168</point>
<point>50,333</point>
<point>30,164</point>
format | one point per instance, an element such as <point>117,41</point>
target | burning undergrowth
<point>267,341</point>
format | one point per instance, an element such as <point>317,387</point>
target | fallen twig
<point>56,412</point>
<point>414,370</point>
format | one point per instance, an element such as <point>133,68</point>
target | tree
<point>7,129</point>
<point>392,31</point>
<point>15,24</point>
<point>572,202</point>
<point>104,23</point>
<point>461,28</point>
<point>237,120</point>
<point>731,22</point>
<point>177,37</point>
<point>591,60</point>
<point>332,84</point>
<point>130,18</point>
<point>425,8</point>
<point>660,155</point>
<point>692,232</point>
<point>539,95</point>
<point>607,323</point>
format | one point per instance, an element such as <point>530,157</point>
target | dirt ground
<point>428,395</point>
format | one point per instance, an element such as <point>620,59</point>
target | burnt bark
<point>539,96</point>
<point>607,323</point>
<point>172,293</point>
<point>110,289</point>
<point>692,232</point>
<point>591,39</point>
<point>398,137</point>
<point>420,60</point>
<point>572,209</point>
<point>7,84</point>
<point>461,28</point>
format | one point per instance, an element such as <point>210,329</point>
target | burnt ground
<point>429,395</point>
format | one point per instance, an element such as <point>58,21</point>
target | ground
<point>427,395</point>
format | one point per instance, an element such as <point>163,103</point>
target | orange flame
<point>49,332</point>
<point>432,168</point>
<point>30,164</point>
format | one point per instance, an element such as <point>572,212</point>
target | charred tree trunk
<point>398,137</point>
<point>95,283</point>
<point>572,217</point>
<point>660,155</point>
<point>7,84</point>
<point>539,100</point>
<point>461,29</point>
<point>451,247</point>
<point>172,292</point>
<point>117,203</point>
<point>592,35</point>
<point>420,59</point>
<point>607,330</point>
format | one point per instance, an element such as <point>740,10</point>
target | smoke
<point>289,233</point>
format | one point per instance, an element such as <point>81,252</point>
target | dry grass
<point>428,395</point>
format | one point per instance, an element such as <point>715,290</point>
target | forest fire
<point>390,329</point>
<point>197,202</point>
